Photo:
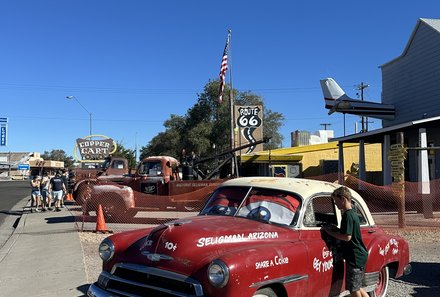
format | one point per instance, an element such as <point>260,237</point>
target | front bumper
<point>95,291</point>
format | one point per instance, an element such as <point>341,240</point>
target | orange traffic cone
<point>69,197</point>
<point>101,227</point>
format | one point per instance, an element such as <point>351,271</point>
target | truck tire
<point>265,292</point>
<point>382,283</point>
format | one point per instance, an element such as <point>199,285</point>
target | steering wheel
<point>260,213</point>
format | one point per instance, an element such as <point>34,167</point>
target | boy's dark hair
<point>342,192</point>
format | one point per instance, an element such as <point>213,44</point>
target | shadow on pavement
<point>65,219</point>
<point>83,289</point>
<point>12,212</point>
<point>426,275</point>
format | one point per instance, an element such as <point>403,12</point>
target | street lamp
<point>90,114</point>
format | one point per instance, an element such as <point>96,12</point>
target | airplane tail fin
<point>332,90</point>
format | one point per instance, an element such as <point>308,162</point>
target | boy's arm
<point>336,234</point>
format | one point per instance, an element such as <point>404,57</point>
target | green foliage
<point>58,155</point>
<point>205,129</point>
<point>128,154</point>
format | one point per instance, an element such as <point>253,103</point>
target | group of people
<point>48,192</point>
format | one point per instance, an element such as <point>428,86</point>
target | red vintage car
<point>255,236</point>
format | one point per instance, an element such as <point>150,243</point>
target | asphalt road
<point>13,196</point>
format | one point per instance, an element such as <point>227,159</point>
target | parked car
<point>255,236</point>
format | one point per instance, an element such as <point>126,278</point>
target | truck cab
<point>154,174</point>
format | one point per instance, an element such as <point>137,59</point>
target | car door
<point>325,266</point>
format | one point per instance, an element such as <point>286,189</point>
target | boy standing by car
<point>353,249</point>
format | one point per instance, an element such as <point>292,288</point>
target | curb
<point>10,242</point>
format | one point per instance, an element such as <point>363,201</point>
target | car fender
<point>76,186</point>
<point>385,249</point>
<point>268,265</point>
<point>115,193</point>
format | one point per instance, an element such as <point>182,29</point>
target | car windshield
<point>106,163</point>
<point>151,168</point>
<point>266,205</point>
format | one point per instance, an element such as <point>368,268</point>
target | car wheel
<point>265,292</point>
<point>382,283</point>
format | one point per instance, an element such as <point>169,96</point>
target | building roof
<point>376,135</point>
<point>14,158</point>
<point>433,23</point>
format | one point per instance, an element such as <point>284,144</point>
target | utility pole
<point>325,125</point>
<point>361,87</point>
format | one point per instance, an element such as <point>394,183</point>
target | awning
<point>376,136</point>
<point>266,158</point>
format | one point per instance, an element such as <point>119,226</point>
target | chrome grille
<point>138,280</point>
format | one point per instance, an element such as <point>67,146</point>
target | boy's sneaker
<point>37,210</point>
<point>58,209</point>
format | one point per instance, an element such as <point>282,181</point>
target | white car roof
<point>304,187</point>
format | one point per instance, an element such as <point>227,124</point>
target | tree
<point>58,155</point>
<point>169,142</point>
<point>205,129</point>
<point>128,154</point>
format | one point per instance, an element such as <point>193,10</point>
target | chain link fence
<point>126,209</point>
<point>121,208</point>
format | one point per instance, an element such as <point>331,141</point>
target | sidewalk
<point>43,257</point>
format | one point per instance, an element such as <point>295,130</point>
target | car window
<point>359,211</point>
<point>265,205</point>
<point>320,211</point>
<point>119,164</point>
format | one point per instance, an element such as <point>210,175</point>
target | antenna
<point>325,125</point>
<point>361,87</point>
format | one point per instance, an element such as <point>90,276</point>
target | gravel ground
<point>422,282</point>
<point>90,242</point>
<point>425,261</point>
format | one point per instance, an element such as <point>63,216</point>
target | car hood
<point>185,245</point>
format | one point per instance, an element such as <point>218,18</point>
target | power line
<point>72,89</point>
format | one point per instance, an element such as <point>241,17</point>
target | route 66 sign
<point>249,121</point>
<point>249,116</point>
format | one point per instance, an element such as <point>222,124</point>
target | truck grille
<point>137,280</point>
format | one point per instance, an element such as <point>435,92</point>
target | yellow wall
<point>312,154</point>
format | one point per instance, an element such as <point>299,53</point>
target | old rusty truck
<point>160,183</point>
<point>113,169</point>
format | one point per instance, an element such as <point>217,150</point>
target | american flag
<point>223,68</point>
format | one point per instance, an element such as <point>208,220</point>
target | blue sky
<point>132,64</point>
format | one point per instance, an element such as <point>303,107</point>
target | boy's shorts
<point>57,195</point>
<point>353,278</point>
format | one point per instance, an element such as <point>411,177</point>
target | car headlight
<point>218,274</point>
<point>106,250</point>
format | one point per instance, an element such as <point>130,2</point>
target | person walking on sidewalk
<point>45,192</point>
<point>57,187</point>
<point>35,194</point>
<point>65,178</point>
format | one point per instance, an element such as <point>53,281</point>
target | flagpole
<point>234,165</point>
